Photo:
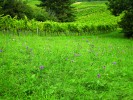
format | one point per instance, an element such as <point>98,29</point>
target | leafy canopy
<point>60,8</point>
<point>15,8</point>
<point>123,6</point>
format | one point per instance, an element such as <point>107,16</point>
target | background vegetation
<point>90,17</point>
<point>118,7</point>
<point>62,9</point>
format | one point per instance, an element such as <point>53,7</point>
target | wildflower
<point>41,67</point>
<point>87,40</point>
<point>114,63</point>
<point>98,75</point>
<point>1,51</point>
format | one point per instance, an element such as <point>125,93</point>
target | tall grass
<point>85,67</point>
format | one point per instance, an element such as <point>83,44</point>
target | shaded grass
<point>82,67</point>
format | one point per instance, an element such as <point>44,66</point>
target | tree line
<point>124,7</point>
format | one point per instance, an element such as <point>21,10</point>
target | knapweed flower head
<point>98,75</point>
<point>1,51</point>
<point>114,63</point>
<point>41,67</point>
<point>87,40</point>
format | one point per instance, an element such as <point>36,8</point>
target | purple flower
<point>98,75</point>
<point>1,51</point>
<point>87,40</point>
<point>41,67</point>
<point>114,63</point>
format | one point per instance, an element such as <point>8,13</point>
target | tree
<point>15,8</point>
<point>125,7</point>
<point>60,8</point>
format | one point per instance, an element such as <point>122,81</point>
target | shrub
<point>42,15</point>
<point>118,7</point>
<point>15,8</point>
<point>127,23</point>
<point>86,28</point>
<point>47,27</point>
<point>73,28</point>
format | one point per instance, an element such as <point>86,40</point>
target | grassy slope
<point>71,67</point>
<point>94,13</point>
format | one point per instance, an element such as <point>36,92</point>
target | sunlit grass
<point>94,13</point>
<point>65,65</point>
<point>82,67</point>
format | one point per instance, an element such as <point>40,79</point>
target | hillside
<point>94,12</point>
<point>90,17</point>
<point>88,59</point>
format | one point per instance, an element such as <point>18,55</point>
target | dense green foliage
<point>62,9</point>
<point>43,28</point>
<point>91,17</point>
<point>87,0</point>
<point>15,8</point>
<point>123,6</point>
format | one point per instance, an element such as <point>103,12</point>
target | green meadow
<point>83,61</point>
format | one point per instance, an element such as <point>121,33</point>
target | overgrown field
<point>66,61</point>
<point>66,68</point>
<point>90,17</point>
